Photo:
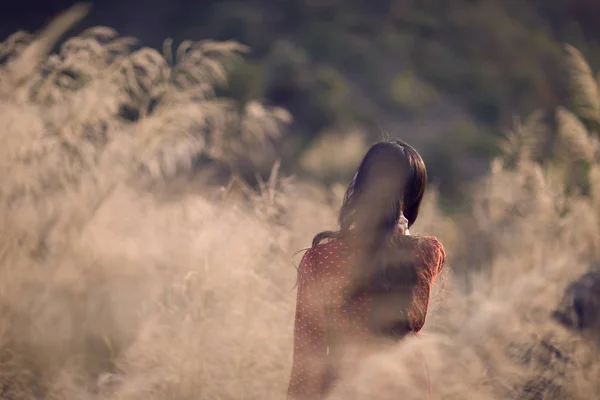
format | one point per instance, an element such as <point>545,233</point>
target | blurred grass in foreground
<point>109,291</point>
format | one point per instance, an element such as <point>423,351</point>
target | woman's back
<point>374,282</point>
<point>336,306</point>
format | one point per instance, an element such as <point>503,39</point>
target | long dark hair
<point>389,182</point>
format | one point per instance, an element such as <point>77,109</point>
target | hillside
<point>446,76</point>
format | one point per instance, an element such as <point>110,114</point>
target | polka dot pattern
<point>322,319</point>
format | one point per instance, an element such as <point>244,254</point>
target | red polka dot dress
<point>322,318</point>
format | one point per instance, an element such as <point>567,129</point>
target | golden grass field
<point>110,291</point>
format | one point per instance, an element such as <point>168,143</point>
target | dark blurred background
<point>446,76</point>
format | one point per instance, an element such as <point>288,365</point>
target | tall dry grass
<point>108,291</point>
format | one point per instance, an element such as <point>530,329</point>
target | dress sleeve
<point>439,261</point>
<point>435,257</point>
<point>432,258</point>
<point>310,347</point>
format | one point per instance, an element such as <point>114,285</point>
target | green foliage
<point>242,21</point>
<point>358,63</point>
<point>373,65</point>
<point>246,81</point>
<point>409,93</point>
<point>330,96</point>
<point>465,147</point>
<point>288,66</point>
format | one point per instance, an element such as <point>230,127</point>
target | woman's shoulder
<point>332,248</point>
<point>430,250</point>
<point>428,243</point>
<point>330,245</point>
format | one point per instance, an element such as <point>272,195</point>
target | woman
<point>370,278</point>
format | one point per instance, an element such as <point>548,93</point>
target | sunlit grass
<point>107,291</point>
